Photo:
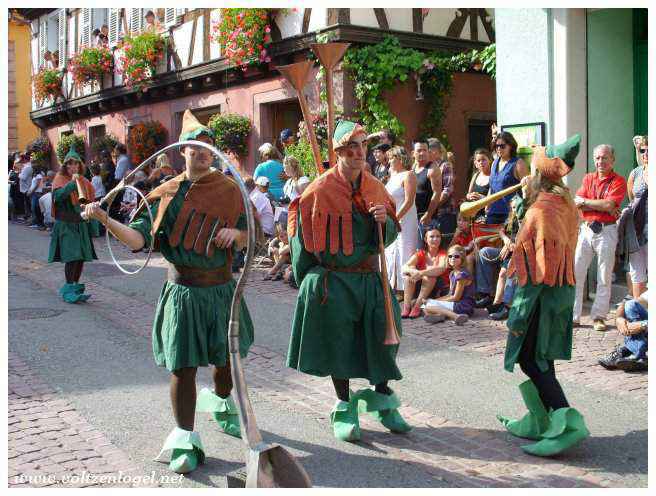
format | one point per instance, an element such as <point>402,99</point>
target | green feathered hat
<point>192,129</point>
<point>556,161</point>
<point>566,151</point>
<point>72,154</point>
<point>345,131</point>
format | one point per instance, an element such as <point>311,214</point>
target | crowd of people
<point>442,265</point>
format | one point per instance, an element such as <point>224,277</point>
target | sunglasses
<point>453,255</point>
<point>644,150</point>
<point>500,145</point>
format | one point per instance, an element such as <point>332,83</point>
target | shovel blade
<point>274,466</point>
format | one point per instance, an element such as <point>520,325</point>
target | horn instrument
<point>81,192</point>
<point>470,209</point>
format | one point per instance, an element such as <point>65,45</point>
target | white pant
<point>603,245</point>
<point>638,265</point>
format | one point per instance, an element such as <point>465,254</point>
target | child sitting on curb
<point>458,305</point>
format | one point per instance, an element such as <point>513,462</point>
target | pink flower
<point>267,60</point>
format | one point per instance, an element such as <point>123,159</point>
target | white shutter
<point>170,17</point>
<point>114,25</point>
<point>43,38</point>
<point>62,22</point>
<point>135,21</point>
<point>85,30</point>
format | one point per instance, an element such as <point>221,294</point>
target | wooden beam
<point>381,18</point>
<point>473,24</point>
<point>417,21</point>
<point>331,17</point>
<point>306,20</point>
<point>192,42</point>
<point>457,25</point>
<point>487,25</point>
<point>206,35</point>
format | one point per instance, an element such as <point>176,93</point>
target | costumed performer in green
<point>540,321</point>
<point>339,322</point>
<point>191,321</point>
<point>70,240</point>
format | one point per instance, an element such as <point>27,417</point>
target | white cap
<point>262,181</point>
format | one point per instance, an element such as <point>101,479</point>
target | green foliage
<point>39,151</point>
<point>105,143</point>
<point>231,131</point>
<point>65,144</point>
<point>302,151</point>
<point>380,67</point>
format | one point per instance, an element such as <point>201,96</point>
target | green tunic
<point>191,323</point>
<point>554,339</point>
<point>344,336</point>
<point>69,242</point>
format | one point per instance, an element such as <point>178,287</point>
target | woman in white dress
<point>402,186</point>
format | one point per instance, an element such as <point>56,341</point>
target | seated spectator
<point>429,266</point>
<point>464,237</point>
<point>458,305</point>
<point>272,169</point>
<point>381,168</point>
<point>631,322</point>
<point>491,259</point>
<point>280,252</point>
<point>263,208</point>
<point>296,183</point>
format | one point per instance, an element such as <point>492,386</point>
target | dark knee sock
<point>341,388</point>
<point>550,391</point>
<point>69,272</point>
<point>383,388</point>
<point>183,397</point>
<point>222,380</point>
<point>78,270</point>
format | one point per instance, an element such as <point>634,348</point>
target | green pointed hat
<point>192,129</point>
<point>72,154</point>
<point>556,161</point>
<point>345,131</point>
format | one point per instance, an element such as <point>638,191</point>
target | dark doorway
<point>479,137</point>
<point>284,115</point>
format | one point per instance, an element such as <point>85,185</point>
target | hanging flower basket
<point>140,57</point>
<point>145,139</point>
<point>90,64</point>
<point>231,131</point>
<point>47,85</point>
<point>39,150</point>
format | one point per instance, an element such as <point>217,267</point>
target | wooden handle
<point>391,332</point>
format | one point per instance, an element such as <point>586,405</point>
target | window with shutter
<point>135,21</point>
<point>114,25</point>
<point>170,17</point>
<point>85,30</point>
<point>62,21</point>
<point>43,39</point>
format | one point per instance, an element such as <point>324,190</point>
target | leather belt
<point>367,266</point>
<point>200,278</point>
<point>67,216</point>
<point>607,223</point>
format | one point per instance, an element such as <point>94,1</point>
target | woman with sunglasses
<point>507,170</point>
<point>636,188</point>
<point>458,305</point>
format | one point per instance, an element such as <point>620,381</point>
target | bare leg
<point>222,380</point>
<point>408,290</point>
<point>435,310</point>
<point>427,285</point>
<point>183,397</point>
<point>501,284</point>
<point>638,288</point>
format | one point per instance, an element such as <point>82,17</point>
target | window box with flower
<point>139,58</point>
<point>90,64</point>
<point>47,85</point>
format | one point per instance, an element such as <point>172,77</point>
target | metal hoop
<point>152,239</point>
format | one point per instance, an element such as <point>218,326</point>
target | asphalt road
<point>109,375</point>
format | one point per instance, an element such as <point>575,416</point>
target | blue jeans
<point>509,290</point>
<point>486,271</point>
<point>637,343</point>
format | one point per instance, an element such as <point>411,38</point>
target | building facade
<point>21,129</point>
<point>577,71</point>
<point>195,75</point>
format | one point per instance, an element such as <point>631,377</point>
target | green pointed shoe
<point>183,461</point>
<point>535,422</point>
<point>566,429</point>
<point>383,408</point>
<point>345,422</point>
<point>79,291</point>
<point>182,450</point>
<point>68,293</point>
<point>223,410</point>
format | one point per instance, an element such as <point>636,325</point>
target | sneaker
<point>609,362</point>
<point>483,302</point>
<point>501,314</point>
<point>461,319</point>
<point>599,325</point>
<point>494,308</point>
<point>433,319</point>
<point>631,364</point>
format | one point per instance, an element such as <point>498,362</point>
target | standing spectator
<point>272,169</point>
<point>598,200</point>
<point>446,212</point>
<point>45,202</point>
<point>258,196</point>
<point>402,186</point>
<point>161,172</point>
<point>152,23</point>
<point>458,305</point>
<point>637,188</point>
<point>122,161</point>
<point>429,185</point>
<point>384,137</point>
<point>632,323</point>
<point>382,167</point>
<point>95,37</point>
<point>34,193</point>
<point>286,138</point>
<point>97,183</point>
<point>16,199</point>
<point>48,61</point>
<point>103,37</point>
<point>297,182</point>
<point>107,170</point>
<point>25,180</point>
<point>507,170</point>
<point>480,181</point>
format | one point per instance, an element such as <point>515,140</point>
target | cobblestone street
<point>59,428</point>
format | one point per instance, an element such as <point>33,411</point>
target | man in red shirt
<point>598,200</point>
